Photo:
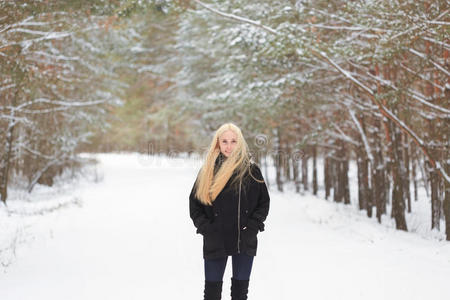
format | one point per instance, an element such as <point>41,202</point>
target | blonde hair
<point>208,185</point>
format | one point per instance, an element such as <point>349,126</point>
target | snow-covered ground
<point>129,236</point>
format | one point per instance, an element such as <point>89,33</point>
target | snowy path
<point>133,239</point>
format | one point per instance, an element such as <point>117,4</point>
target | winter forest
<point>106,107</point>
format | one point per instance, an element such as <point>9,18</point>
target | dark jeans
<point>242,267</point>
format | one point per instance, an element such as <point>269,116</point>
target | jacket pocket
<point>250,237</point>
<point>212,242</point>
<point>208,227</point>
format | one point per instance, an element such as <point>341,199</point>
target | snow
<point>129,236</point>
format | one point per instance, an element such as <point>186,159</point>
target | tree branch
<point>237,18</point>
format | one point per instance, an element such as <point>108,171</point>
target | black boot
<point>213,290</point>
<point>239,289</point>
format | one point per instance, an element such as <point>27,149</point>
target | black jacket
<point>225,232</point>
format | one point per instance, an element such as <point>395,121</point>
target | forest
<point>313,84</point>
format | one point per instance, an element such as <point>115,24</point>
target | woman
<point>228,204</point>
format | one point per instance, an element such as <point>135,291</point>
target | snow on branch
<point>421,55</point>
<point>417,26</point>
<point>237,18</point>
<point>445,45</point>
<point>344,72</point>
<point>412,93</point>
<point>28,43</point>
<point>61,103</point>
<point>36,152</point>
<point>15,119</point>
<point>363,135</point>
<point>361,27</point>
<point>423,77</point>
<point>341,135</point>
<point>56,57</point>
<point>8,86</point>
<point>438,23</point>
<point>339,28</point>
<point>442,170</point>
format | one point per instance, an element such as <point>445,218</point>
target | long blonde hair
<point>208,185</point>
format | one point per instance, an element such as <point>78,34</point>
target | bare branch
<point>421,55</point>
<point>363,135</point>
<point>237,18</point>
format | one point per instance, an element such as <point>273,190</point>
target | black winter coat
<point>225,231</point>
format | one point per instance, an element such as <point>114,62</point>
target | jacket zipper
<point>239,217</point>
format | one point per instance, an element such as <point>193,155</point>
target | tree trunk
<point>278,175</point>
<point>361,199</point>
<point>398,201</point>
<point>366,174</point>
<point>378,175</point>
<point>341,188</point>
<point>414,162</point>
<point>407,172</point>
<point>364,192</point>
<point>447,201</point>
<point>346,188</point>
<point>336,177</point>
<point>295,170</point>
<point>315,187</point>
<point>5,160</point>
<point>278,159</point>
<point>266,172</point>
<point>305,172</point>
<point>327,176</point>
<point>435,200</point>
<point>286,163</point>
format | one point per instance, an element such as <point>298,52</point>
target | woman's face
<point>227,142</point>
